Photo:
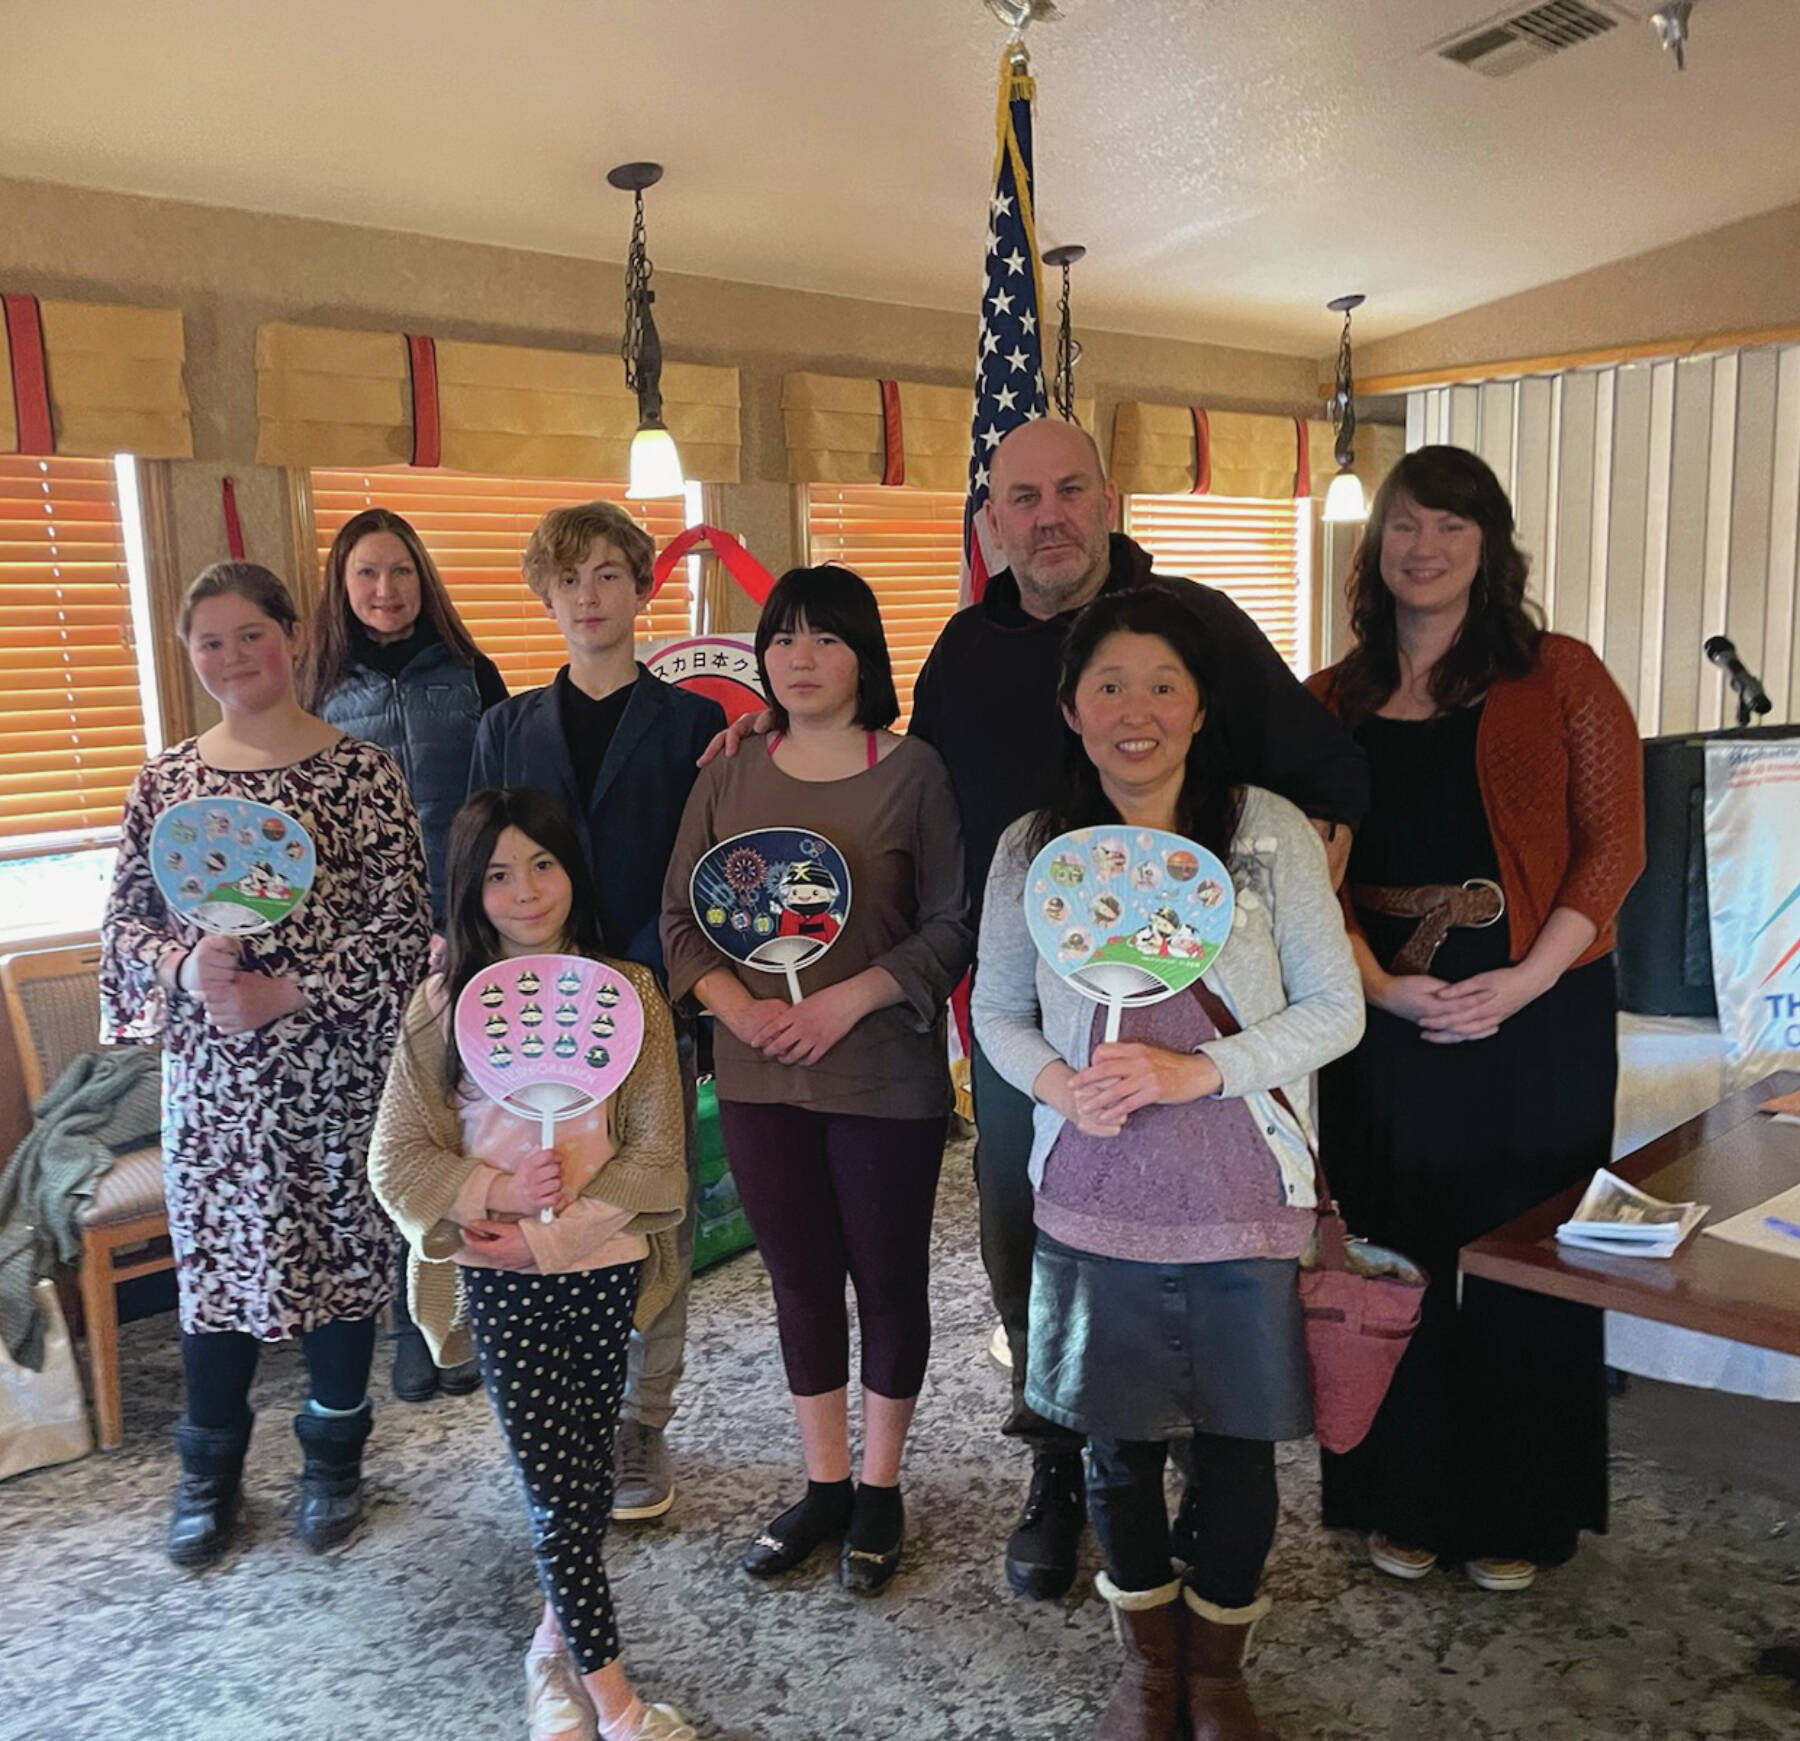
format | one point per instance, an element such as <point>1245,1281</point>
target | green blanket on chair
<point>105,1104</point>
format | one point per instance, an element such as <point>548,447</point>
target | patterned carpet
<point>415,1628</point>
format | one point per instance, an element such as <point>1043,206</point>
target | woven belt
<point>1473,905</point>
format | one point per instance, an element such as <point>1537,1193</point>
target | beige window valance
<point>332,398</point>
<point>1178,450</point>
<point>92,379</point>
<point>1171,450</point>
<point>850,429</point>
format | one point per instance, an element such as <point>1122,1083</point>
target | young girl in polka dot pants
<point>549,1303</point>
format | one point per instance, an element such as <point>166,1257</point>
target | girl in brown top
<point>1505,827</point>
<point>834,1108</point>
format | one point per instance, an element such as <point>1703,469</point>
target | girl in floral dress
<point>275,1049</point>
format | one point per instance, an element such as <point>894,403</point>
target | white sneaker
<point>664,1723</point>
<point>1398,1561</point>
<point>999,1349</point>
<point>1501,1574</point>
<point>556,1703</point>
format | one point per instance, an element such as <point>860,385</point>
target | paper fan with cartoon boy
<point>775,899</point>
<point>1128,916</point>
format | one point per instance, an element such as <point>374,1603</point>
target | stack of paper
<point>1773,1226</point>
<point>1623,1221</point>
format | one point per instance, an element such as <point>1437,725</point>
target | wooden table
<point>1731,1157</point>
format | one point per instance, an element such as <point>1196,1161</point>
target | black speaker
<point>1665,940</point>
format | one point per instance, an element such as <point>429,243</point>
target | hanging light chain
<point>1068,349</point>
<point>638,294</point>
<point>1343,403</point>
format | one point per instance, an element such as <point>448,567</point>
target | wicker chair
<point>53,1001</point>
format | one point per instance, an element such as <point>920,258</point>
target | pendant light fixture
<point>655,465</point>
<point>1068,352</point>
<point>1344,500</point>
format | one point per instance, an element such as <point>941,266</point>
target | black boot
<point>331,1481</point>
<point>1040,1554</point>
<point>206,1498</point>
<point>415,1372</point>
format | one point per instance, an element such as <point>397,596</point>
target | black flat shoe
<point>863,1573</point>
<point>790,1541</point>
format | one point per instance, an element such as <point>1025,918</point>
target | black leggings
<point>1229,1507</point>
<point>835,1195</point>
<point>220,1364</point>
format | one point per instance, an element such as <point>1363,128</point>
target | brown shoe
<point>1213,1650</point>
<point>1146,1700</point>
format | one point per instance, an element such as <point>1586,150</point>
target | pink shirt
<point>589,1234</point>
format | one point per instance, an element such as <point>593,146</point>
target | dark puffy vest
<point>425,719</point>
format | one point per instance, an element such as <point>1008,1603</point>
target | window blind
<point>907,544</point>
<point>1257,552</point>
<point>476,529</point>
<point>71,711</point>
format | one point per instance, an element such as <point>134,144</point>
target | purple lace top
<point>1180,1184</point>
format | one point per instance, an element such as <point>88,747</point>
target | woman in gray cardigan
<point>1174,1190</point>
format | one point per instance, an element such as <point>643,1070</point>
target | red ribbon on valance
<point>893,439</point>
<point>234,527</point>
<point>1303,463</point>
<point>750,574</point>
<point>1202,453</point>
<point>30,375</point>
<point>428,433</point>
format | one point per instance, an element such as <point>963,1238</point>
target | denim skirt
<point>1128,1350</point>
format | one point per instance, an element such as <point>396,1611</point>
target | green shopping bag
<point>722,1229</point>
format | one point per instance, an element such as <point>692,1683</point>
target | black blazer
<point>629,825</point>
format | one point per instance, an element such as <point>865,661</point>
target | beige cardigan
<point>417,1164</point>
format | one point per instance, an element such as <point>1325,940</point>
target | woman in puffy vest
<point>390,661</point>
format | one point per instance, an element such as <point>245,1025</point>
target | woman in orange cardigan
<point>1506,826</point>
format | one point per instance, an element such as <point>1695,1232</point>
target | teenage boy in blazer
<point>618,749</point>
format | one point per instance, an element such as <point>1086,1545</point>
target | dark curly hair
<point>1499,635</point>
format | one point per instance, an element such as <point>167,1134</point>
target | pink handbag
<point>1360,1302</point>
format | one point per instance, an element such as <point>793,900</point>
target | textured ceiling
<point>1229,164</point>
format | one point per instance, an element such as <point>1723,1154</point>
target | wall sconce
<point>655,465</point>
<point>1344,500</point>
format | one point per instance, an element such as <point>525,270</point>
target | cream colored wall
<point>230,270</point>
<point>1742,278</point>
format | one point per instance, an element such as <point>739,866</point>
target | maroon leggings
<point>832,1195</point>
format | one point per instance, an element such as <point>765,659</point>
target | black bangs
<point>829,600</point>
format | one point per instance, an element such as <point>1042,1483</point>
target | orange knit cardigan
<point>1561,773</point>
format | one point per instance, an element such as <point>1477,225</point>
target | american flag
<point>1009,359</point>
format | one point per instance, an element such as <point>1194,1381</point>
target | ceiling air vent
<point>1516,40</point>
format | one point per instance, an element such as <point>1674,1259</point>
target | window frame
<point>1306,597</point>
<point>949,501</point>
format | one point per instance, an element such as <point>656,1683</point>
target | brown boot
<point>1146,1701</point>
<point>1213,1650</point>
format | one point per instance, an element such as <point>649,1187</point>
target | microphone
<point>1752,697</point>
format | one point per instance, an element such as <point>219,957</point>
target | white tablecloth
<point>1672,1068</point>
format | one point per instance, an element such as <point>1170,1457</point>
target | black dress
<point>1492,1441</point>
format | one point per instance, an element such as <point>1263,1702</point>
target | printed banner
<point>1753,893</point>
<point>720,667</point>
